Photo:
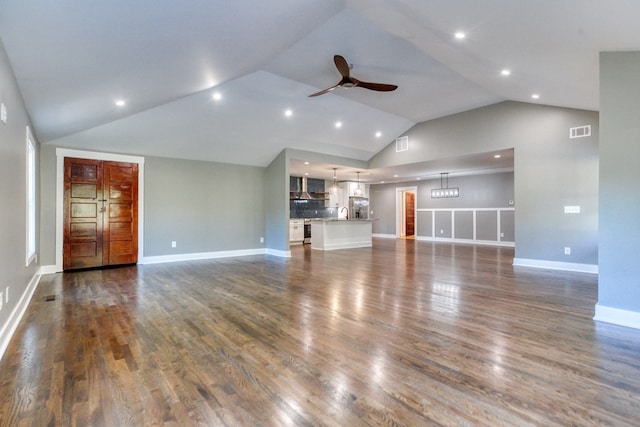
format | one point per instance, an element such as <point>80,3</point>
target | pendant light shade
<point>334,187</point>
<point>358,192</point>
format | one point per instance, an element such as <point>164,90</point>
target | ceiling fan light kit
<point>348,82</point>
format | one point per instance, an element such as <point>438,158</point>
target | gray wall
<point>203,206</point>
<point>550,170</point>
<point>277,203</point>
<point>619,286</point>
<point>477,191</point>
<point>13,191</point>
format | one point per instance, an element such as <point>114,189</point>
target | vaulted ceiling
<point>166,59</point>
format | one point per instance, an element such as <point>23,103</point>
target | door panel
<point>101,213</point>
<point>409,210</point>
<point>82,204</point>
<point>121,225</point>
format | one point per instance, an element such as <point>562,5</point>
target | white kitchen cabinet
<point>296,230</point>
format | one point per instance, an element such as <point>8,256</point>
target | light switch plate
<point>3,113</point>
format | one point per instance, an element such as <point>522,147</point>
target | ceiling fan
<point>348,81</point>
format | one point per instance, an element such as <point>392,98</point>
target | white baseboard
<point>466,241</point>
<point>556,265</point>
<point>201,255</point>
<point>384,236</point>
<point>347,245</point>
<point>10,326</point>
<point>48,269</point>
<point>278,253</point>
<point>630,319</point>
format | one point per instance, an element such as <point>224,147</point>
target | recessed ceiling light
<point>306,173</point>
<point>217,96</point>
<point>120,102</point>
<point>306,163</point>
<point>338,125</point>
<point>381,182</point>
<point>395,176</point>
<point>288,113</point>
<point>460,35</point>
<point>505,72</point>
<point>417,179</point>
<point>535,96</point>
<point>378,134</point>
<point>497,156</point>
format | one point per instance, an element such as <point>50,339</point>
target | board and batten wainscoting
<point>483,226</point>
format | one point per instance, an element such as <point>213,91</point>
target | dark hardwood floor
<point>404,333</point>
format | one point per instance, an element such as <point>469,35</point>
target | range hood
<point>304,194</point>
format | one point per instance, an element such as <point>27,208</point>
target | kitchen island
<point>330,234</point>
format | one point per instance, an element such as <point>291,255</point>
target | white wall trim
<point>617,316</point>
<point>556,265</point>
<point>384,236</point>
<point>466,241</point>
<point>278,253</point>
<point>61,153</point>
<point>48,269</point>
<point>346,245</point>
<point>10,326</point>
<point>200,255</point>
<point>400,208</point>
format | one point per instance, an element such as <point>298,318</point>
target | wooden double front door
<point>100,213</point>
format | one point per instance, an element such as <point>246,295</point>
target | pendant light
<point>334,187</point>
<point>445,191</point>
<point>358,192</point>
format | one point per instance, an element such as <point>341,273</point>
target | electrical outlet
<point>262,240</point>
<point>501,234</point>
<point>441,231</point>
<point>567,250</point>
<point>173,243</point>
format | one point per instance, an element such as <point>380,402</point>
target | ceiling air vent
<point>402,144</point>
<point>580,132</point>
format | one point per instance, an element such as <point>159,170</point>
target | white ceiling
<point>73,59</point>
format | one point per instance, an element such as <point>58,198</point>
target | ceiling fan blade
<point>322,92</point>
<point>341,65</point>
<point>380,87</point>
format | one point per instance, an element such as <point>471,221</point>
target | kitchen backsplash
<point>299,210</point>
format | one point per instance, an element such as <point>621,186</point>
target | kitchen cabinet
<point>296,230</point>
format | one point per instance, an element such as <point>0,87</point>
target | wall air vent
<point>402,144</point>
<point>580,132</point>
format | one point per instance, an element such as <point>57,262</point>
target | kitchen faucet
<point>347,209</point>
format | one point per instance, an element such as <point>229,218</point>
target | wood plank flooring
<point>405,333</point>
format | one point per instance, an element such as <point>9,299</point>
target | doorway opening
<point>406,212</point>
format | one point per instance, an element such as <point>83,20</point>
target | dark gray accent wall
<point>619,283</point>
<point>550,170</point>
<point>13,193</point>
<point>203,206</point>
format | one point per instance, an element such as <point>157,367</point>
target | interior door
<point>82,213</point>
<point>409,212</point>
<point>120,226</point>
<point>101,211</point>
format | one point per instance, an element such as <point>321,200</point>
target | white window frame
<point>31,202</point>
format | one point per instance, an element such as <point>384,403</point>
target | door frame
<point>400,218</point>
<point>61,153</point>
